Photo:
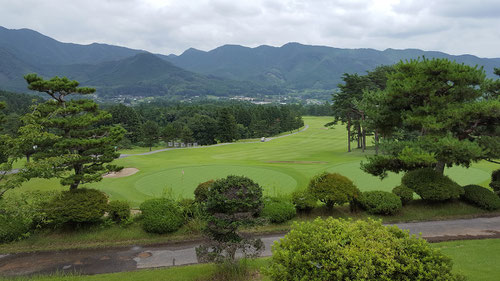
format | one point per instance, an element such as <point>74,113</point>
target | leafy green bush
<point>404,193</point>
<point>495,181</point>
<point>13,227</point>
<point>481,197</point>
<point>431,185</point>
<point>78,206</point>
<point>190,208</point>
<point>161,215</point>
<point>30,205</point>
<point>333,189</point>
<point>277,210</point>
<point>303,200</point>
<point>201,191</point>
<point>337,249</point>
<point>119,211</point>
<point>380,202</point>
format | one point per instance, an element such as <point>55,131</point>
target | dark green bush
<point>201,191</point>
<point>161,215</point>
<point>190,208</point>
<point>277,210</point>
<point>304,200</point>
<point>78,206</point>
<point>431,185</point>
<point>119,211</point>
<point>333,189</point>
<point>404,193</point>
<point>481,197</point>
<point>495,181</point>
<point>334,249</point>
<point>13,228</point>
<point>380,202</point>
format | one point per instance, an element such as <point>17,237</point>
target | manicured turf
<point>476,259</point>
<point>298,154</point>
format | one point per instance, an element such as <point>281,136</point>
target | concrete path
<point>137,257</point>
<point>214,145</point>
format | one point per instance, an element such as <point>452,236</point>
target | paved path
<point>137,257</point>
<point>219,144</point>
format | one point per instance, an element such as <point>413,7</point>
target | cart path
<point>219,144</point>
<point>96,261</point>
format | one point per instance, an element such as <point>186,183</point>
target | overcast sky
<point>172,26</point>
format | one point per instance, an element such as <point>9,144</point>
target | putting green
<point>183,181</point>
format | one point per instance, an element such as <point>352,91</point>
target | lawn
<point>280,166</point>
<point>476,259</point>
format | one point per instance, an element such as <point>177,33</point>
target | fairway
<point>279,166</point>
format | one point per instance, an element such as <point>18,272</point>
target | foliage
<point>481,197</point>
<point>333,188</point>
<point>161,215</point>
<point>13,227</point>
<point>495,181</point>
<point>380,202</point>
<point>303,200</point>
<point>31,206</point>
<point>190,208</point>
<point>404,193</point>
<point>150,133</point>
<point>72,143</point>
<point>226,124</point>
<point>277,210</point>
<point>119,211</point>
<point>431,185</point>
<point>202,190</point>
<point>77,206</point>
<point>232,202</point>
<point>334,249</point>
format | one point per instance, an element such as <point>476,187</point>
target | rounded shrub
<point>404,193</point>
<point>481,197</point>
<point>333,188</point>
<point>337,249</point>
<point>119,211</point>
<point>13,227</point>
<point>77,206</point>
<point>277,210</point>
<point>161,215</point>
<point>380,202</point>
<point>201,191</point>
<point>495,181</point>
<point>303,200</point>
<point>431,185</point>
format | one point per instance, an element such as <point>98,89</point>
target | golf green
<point>279,166</point>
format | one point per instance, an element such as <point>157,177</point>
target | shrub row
<point>481,197</point>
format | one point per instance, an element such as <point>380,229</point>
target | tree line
<point>421,113</point>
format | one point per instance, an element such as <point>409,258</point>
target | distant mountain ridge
<point>228,70</point>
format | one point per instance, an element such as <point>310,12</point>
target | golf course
<point>279,165</point>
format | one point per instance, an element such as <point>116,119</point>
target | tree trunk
<point>439,167</point>
<point>376,142</point>
<point>78,171</point>
<point>359,135</point>
<point>27,157</point>
<point>349,135</point>
<point>150,148</point>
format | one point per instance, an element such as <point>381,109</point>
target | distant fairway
<point>280,166</point>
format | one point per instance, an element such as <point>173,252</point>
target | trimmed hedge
<point>380,202</point>
<point>404,193</point>
<point>277,210</point>
<point>161,215</point>
<point>481,197</point>
<point>431,185</point>
<point>304,200</point>
<point>78,206</point>
<point>201,191</point>
<point>119,211</point>
<point>337,249</point>
<point>333,188</point>
<point>495,181</point>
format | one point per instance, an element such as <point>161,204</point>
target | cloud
<point>172,26</point>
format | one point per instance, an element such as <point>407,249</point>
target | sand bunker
<point>125,172</point>
<point>299,162</point>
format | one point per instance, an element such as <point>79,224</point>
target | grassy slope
<point>477,259</point>
<point>163,172</point>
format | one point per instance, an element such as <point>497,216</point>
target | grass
<point>476,259</point>
<point>310,152</point>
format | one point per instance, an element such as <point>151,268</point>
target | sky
<point>172,26</point>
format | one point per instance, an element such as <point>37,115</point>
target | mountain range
<point>228,70</point>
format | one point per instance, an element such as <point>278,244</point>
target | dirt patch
<point>299,162</point>
<point>125,172</point>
